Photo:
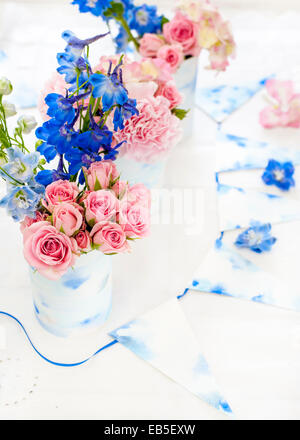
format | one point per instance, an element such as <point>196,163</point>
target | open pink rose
<point>135,219</point>
<point>100,206</point>
<point>100,175</point>
<point>110,237</point>
<point>83,240</point>
<point>170,92</point>
<point>60,191</point>
<point>67,218</point>
<point>150,45</point>
<point>49,251</point>
<point>172,54</point>
<point>139,194</point>
<point>184,31</point>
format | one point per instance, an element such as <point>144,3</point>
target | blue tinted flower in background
<point>144,19</point>
<point>20,166</point>
<point>20,201</point>
<point>76,46</point>
<point>279,174</point>
<point>110,87</point>
<point>257,238</point>
<point>96,7</point>
<point>122,41</point>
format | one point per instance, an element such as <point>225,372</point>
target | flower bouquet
<point>147,127</point>
<point>195,25</point>
<point>77,214</point>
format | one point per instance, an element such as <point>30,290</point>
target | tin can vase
<point>78,302</point>
<point>186,82</point>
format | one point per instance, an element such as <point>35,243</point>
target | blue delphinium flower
<point>74,68</point>
<point>144,19</point>
<point>96,7</point>
<point>258,238</point>
<point>122,41</point>
<point>20,166</point>
<point>110,87</point>
<point>20,201</point>
<point>60,108</point>
<point>279,174</point>
<point>76,46</point>
<point>124,112</point>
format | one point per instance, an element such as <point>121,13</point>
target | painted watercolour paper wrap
<point>164,338</point>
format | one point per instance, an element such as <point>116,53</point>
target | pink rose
<point>28,221</point>
<point>100,175</point>
<point>135,219</point>
<point>150,45</point>
<point>120,189</point>
<point>110,237</point>
<point>60,191</point>
<point>184,31</point>
<point>67,218</point>
<point>83,240</point>
<point>49,251</point>
<point>139,194</point>
<point>171,93</point>
<point>100,206</point>
<point>173,55</point>
<point>152,133</point>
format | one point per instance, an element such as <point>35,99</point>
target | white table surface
<point>253,350</point>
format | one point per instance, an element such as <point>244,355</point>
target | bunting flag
<point>219,102</point>
<point>164,338</point>
<point>238,207</point>
<point>226,272</point>
<point>238,153</point>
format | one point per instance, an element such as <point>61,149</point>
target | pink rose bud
<point>172,54</point>
<point>83,240</point>
<point>60,191</point>
<point>67,218</point>
<point>139,194</point>
<point>120,189</point>
<point>100,206</point>
<point>110,237</point>
<point>135,219</point>
<point>183,31</point>
<point>101,175</point>
<point>171,93</point>
<point>150,45</point>
<point>49,251</point>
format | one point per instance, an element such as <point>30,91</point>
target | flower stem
<point>129,33</point>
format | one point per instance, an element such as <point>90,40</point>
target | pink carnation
<point>49,251</point>
<point>110,237</point>
<point>150,135</point>
<point>170,92</point>
<point>60,191</point>
<point>181,30</point>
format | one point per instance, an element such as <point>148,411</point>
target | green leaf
<point>164,21</point>
<point>180,113</point>
<point>92,222</point>
<point>97,185</point>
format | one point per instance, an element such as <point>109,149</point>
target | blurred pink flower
<point>285,108</point>
<point>56,84</point>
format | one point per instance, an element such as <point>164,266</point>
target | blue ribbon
<point>59,364</point>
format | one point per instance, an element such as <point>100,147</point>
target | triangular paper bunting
<point>219,102</point>
<point>239,207</point>
<point>164,338</point>
<point>226,272</point>
<point>237,153</point>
